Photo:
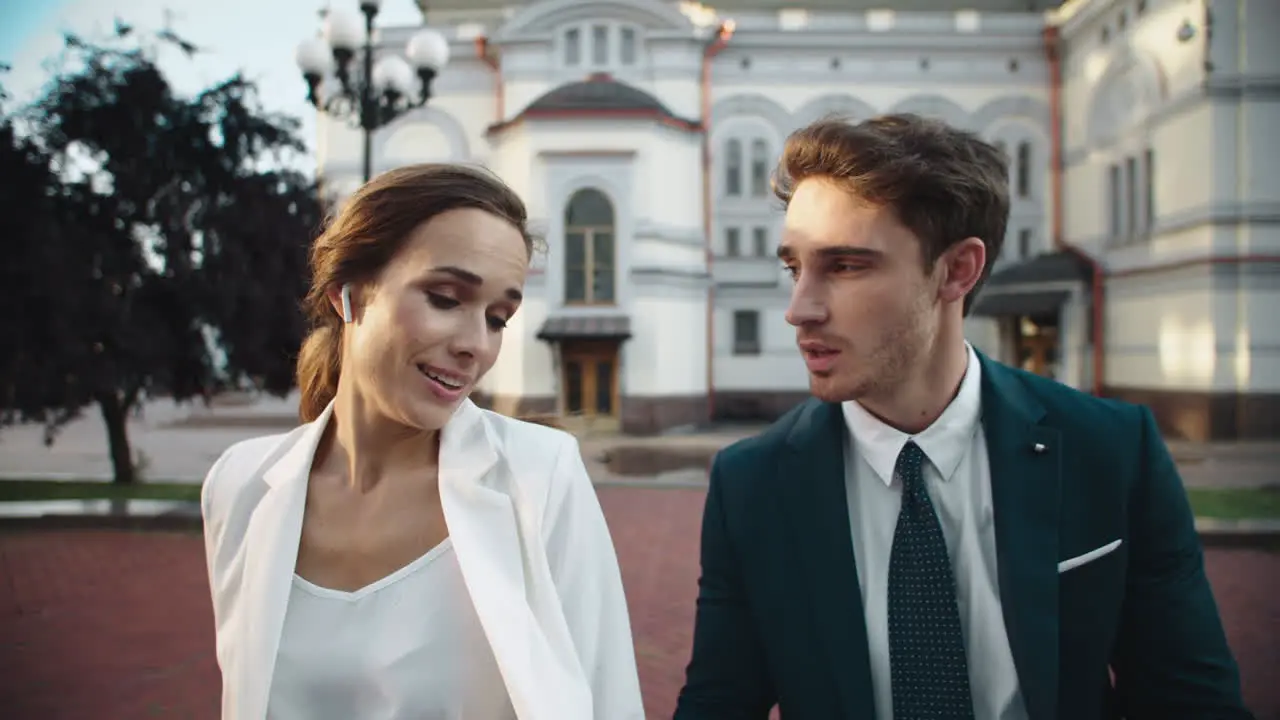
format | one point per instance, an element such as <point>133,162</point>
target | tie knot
<point>910,465</point>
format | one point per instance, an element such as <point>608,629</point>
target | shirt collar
<point>944,442</point>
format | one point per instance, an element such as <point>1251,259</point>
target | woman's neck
<point>366,446</point>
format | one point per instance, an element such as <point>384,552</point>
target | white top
<point>531,544</point>
<point>958,480</point>
<point>406,647</point>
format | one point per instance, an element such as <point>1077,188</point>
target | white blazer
<point>535,553</point>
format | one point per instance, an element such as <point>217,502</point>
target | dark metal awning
<point>1032,303</point>
<point>589,327</point>
<point>1060,266</point>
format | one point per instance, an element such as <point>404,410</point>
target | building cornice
<point>1075,15</point>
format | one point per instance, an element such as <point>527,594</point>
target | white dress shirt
<point>958,479</point>
<point>406,647</point>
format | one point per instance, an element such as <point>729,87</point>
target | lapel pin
<point>1038,448</point>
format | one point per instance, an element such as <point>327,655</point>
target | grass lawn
<point>1236,503</point>
<point>34,490</point>
<point>1220,503</point>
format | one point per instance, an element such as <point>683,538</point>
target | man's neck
<point>923,395</point>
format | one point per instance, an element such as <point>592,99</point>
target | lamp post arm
<point>368,95</point>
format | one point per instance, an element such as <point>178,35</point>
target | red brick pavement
<point>115,625</point>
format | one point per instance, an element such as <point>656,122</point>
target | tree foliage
<point>154,243</point>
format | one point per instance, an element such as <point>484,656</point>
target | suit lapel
<point>1025,460</point>
<point>480,500</point>
<point>271,558</point>
<point>812,485</point>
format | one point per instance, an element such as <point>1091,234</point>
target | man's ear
<point>961,265</point>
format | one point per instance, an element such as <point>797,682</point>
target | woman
<point>405,554</point>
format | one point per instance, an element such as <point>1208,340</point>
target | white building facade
<point>642,134</point>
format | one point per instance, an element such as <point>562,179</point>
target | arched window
<point>589,261</point>
<point>759,168</point>
<point>1024,169</point>
<point>733,167</point>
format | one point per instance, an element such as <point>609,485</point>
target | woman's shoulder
<point>241,464</point>
<point>531,440</point>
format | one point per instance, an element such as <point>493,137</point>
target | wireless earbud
<point>346,303</point>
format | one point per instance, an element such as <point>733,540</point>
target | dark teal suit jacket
<point>779,614</point>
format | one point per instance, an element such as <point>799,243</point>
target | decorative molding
<point>1128,92</point>
<point>1026,108</point>
<point>1012,107</point>
<point>941,76</point>
<point>825,40</point>
<point>1243,87</point>
<point>1135,258</point>
<point>459,146</point>
<point>649,231</point>
<point>752,105</point>
<point>548,15</point>
<point>832,104</point>
<point>934,106</point>
<point>1189,99</point>
<point>651,276</point>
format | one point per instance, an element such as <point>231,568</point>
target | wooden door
<point>589,384</point>
<point>1038,349</point>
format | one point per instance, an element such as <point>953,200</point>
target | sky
<point>256,37</point>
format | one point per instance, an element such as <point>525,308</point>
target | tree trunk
<point>115,414</point>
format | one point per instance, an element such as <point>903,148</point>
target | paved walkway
<point>86,633</point>
<point>182,442</point>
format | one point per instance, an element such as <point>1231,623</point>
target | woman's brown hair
<point>366,234</point>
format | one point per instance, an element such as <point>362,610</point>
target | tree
<point>153,234</point>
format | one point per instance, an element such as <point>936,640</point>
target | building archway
<point>588,346</point>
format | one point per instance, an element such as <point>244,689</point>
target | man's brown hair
<point>944,184</point>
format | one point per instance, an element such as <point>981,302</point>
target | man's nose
<point>807,306</point>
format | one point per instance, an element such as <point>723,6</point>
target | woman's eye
<point>443,302</point>
<point>497,323</point>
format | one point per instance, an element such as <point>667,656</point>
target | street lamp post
<point>385,89</point>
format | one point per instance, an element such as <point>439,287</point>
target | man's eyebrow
<point>849,251</point>
<point>470,278</point>
<point>785,252</point>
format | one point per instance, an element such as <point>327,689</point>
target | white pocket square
<point>1088,557</point>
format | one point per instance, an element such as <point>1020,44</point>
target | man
<point>933,534</point>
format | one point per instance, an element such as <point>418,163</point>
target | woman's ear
<point>340,299</point>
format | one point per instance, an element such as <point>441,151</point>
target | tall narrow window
<point>1024,169</point>
<point>759,168</point>
<point>1130,196</point>
<point>1024,243</point>
<point>627,46</point>
<point>746,332</point>
<point>1115,200</point>
<point>732,242</point>
<point>1149,189</point>
<point>600,45</point>
<point>589,249</point>
<point>572,47</point>
<point>733,167</point>
<point>760,241</point>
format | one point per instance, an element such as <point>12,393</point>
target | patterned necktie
<point>926,649</point>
